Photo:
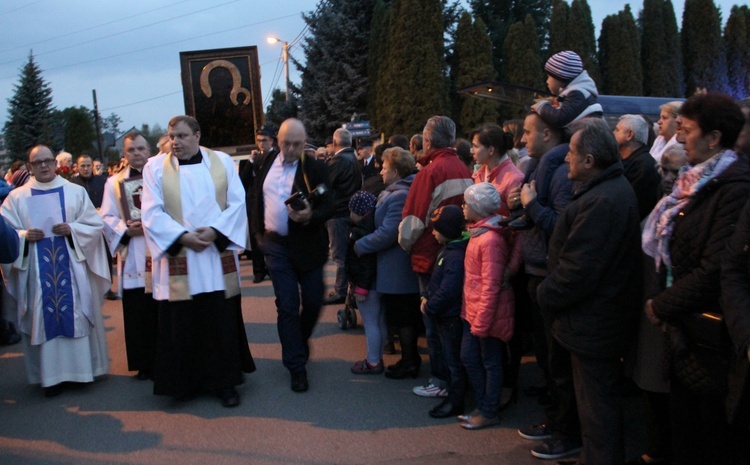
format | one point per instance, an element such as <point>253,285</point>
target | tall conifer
<point>703,48</point>
<point>737,42</point>
<point>29,112</point>
<point>377,57</point>
<point>558,27</point>
<point>619,55</point>
<point>525,66</point>
<point>661,53</point>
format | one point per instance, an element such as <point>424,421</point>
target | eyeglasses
<point>39,163</point>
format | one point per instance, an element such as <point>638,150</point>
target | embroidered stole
<point>179,287</point>
<point>124,250</point>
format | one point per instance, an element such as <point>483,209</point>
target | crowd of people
<point>623,254</point>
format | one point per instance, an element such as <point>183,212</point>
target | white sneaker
<point>430,390</point>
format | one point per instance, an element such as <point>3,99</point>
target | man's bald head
<point>42,163</point>
<point>292,136</point>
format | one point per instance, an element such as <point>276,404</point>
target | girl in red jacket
<point>488,306</point>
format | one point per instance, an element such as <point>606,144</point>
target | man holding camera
<point>291,203</point>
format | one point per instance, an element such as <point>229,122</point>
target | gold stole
<point>179,287</point>
<point>125,249</point>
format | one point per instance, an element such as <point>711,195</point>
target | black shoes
<point>110,295</point>
<point>143,375</point>
<point>259,277</point>
<point>446,409</point>
<point>299,381</point>
<point>53,391</point>
<point>401,370</point>
<point>229,397</point>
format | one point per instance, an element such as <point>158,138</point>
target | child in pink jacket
<point>488,306</point>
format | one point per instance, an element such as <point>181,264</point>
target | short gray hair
<point>638,125</point>
<point>596,139</point>
<point>440,131</point>
<point>342,138</point>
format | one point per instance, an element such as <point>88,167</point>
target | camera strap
<point>304,173</point>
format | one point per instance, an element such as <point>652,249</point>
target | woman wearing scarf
<point>686,236</point>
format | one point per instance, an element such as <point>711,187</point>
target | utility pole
<point>98,124</point>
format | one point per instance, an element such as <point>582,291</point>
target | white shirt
<point>277,187</point>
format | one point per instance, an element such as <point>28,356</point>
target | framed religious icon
<point>221,88</point>
<point>130,198</point>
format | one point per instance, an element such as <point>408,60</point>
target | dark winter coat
<point>554,190</point>
<point>735,301</point>
<point>94,187</point>
<point>361,271</point>
<point>641,173</point>
<point>345,178</point>
<point>445,289</point>
<point>593,289</point>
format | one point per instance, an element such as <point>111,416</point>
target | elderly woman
<point>667,129</point>
<point>686,236</point>
<point>395,280</point>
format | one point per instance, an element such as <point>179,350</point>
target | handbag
<point>698,351</point>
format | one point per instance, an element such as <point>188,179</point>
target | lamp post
<point>285,57</point>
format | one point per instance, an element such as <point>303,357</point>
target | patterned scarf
<point>659,227</point>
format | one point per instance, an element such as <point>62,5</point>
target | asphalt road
<point>342,419</point>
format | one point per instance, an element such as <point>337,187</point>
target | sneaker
<point>556,448</point>
<point>363,367</point>
<point>536,432</point>
<point>430,390</point>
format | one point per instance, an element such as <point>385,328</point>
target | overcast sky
<point>129,50</point>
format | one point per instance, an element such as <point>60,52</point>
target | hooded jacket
<point>447,281</point>
<point>488,308</point>
<point>576,101</point>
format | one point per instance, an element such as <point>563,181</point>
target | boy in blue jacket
<point>442,300</point>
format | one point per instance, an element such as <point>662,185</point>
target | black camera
<point>297,200</point>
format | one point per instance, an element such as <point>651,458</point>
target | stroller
<point>347,316</point>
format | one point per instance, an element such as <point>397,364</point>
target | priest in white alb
<point>124,235</point>
<point>193,213</point>
<point>59,277</point>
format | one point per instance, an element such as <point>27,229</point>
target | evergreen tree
<point>474,64</point>
<point>703,48</point>
<point>498,15</point>
<point>558,27</point>
<point>525,66</point>
<point>377,56</point>
<point>661,55</point>
<point>80,133</point>
<point>581,37</point>
<point>619,55</point>
<point>414,85</point>
<point>279,108</point>
<point>29,112</point>
<point>737,43</point>
<point>334,76</point>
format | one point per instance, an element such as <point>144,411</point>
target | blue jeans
<point>483,359</point>
<point>376,331</point>
<point>338,237</point>
<point>438,367</point>
<point>450,334</point>
<point>293,288</point>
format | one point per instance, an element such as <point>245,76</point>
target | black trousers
<point>140,316</point>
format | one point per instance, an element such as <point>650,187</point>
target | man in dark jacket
<point>345,178</point>
<point>545,194</point>
<point>631,134</point>
<point>294,242</point>
<point>86,178</point>
<point>592,292</point>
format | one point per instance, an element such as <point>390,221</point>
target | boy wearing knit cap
<point>361,272</point>
<point>574,90</point>
<point>489,307</point>
<point>441,303</point>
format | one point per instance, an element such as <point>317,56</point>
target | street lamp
<point>285,55</point>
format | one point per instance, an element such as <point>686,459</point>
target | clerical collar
<point>194,160</point>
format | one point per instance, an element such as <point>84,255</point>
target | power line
<point>141,101</point>
<point>19,7</point>
<point>125,32</point>
<point>88,28</point>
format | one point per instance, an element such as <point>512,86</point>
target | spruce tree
<point>474,64</point>
<point>661,54</point>
<point>581,36</point>
<point>525,67</point>
<point>737,43</point>
<point>702,47</point>
<point>279,108</point>
<point>29,112</point>
<point>558,27</point>
<point>334,77</point>
<point>376,57</point>
<point>619,55</point>
<point>415,88</point>
<point>80,133</point>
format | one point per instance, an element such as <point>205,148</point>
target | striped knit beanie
<point>564,66</point>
